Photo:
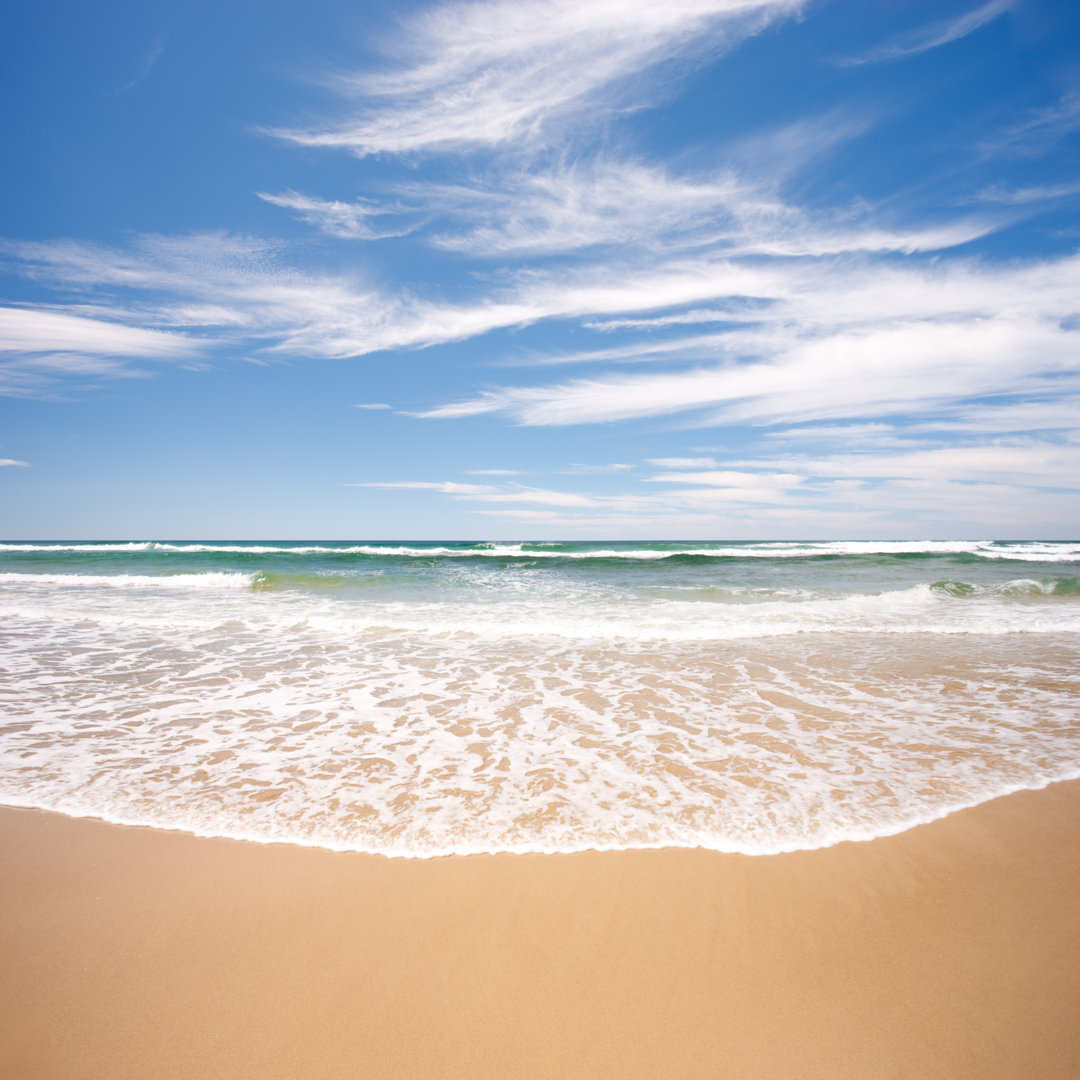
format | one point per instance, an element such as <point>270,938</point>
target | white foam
<point>458,707</point>
<point>208,579</point>
<point>426,744</point>
<point>519,607</point>
<point>1028,551</point>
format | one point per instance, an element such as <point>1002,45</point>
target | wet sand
<point>951,951</point>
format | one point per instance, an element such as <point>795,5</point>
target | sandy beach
<point>951,950</point>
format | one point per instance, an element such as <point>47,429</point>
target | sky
<point>610,269</point>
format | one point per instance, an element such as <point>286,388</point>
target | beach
<point>951,950</point>
<point>803,811</point>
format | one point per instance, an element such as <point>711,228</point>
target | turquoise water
<point>425,698</point>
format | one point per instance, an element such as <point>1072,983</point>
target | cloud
<point>684,462</point>
<point>34,330</point>
<point>728,478</point>
<point>347,221</point>
<point>373,405</point>
<point>933,35</point>
<point>873,493</point>
<point>1024,462</point>
<point>11,461</point>
<point>483,492</point>
<point>614,467</point>
<point>484,74</point>
<point>840,344</point>
<point>1027,195</point>
<point>39,345</point>
<point>683,318</point>
<point>599,202</point>
<point>1040,130</point>
<point>242,291</point>
<point>632,205</point>
<point>240,287</point>
<point>146,65</point>
<point>447,487</point>
<point>1060,413</point>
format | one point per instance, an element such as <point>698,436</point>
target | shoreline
<point>328,848</point>
<point>948,950</point>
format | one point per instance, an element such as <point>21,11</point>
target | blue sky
<point>702,269</point>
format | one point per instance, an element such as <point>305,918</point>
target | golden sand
<point>950,951</point>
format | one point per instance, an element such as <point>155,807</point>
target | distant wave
<point>207,580</point>
<point>1033,551</point>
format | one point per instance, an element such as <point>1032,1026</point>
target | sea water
<point>418,699</point>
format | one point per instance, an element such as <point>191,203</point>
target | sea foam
<point>422,706</point>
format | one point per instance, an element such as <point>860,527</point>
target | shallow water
<point>423,699</point>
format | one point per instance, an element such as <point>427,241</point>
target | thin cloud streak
<point>1038,131</point>
<point>932,36</point>
<point>147,64</point>
<point>39,346</point>
<point>346,221</point>
<point>839,346</point>
<point>476,74</point>
<point>992,482</point>
<point>636,206</point>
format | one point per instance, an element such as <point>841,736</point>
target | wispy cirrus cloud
<point>243,290</point>
<point>35,330</point>
<point>931,36</point>
<point>839,344</point>
<point>483,74</point>
<point>1038,130</point>
<point>596,203</point>
<point>11,461</point>
<point>636,206</point>
<point>992,482</point>
<point>518,493</point>
<point>39,346</point>
<point>145,66</point>
<point>1024,196</point>
<point>346,220</point>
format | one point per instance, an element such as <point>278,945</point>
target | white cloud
<point>857,433</point>
<point>447,487</point>
<point>1027,195</point>
<point>633,205</point>
<point>146,65</point>
<point>1055,414</point>
<point>347,221</point>
<point>33,330</point>
<point>730,478</point>
<point>39,345</point>
<point>11,461</point>
<point>613,467</point>
<point>839,344</point>
<point>683,318</point>
<point>933,35</point>
<point>987,485</point>
<point>373,405</point>
<point>486,73</point>
<point>483,492</point>
<point>684,462</point>
<point>1039,130</point>
<point>542,496</point>
<point>601,202</point>
<point>1024,464</point>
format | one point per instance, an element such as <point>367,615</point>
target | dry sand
<point>951,951</point>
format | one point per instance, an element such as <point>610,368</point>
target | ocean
<point>419,699</point>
